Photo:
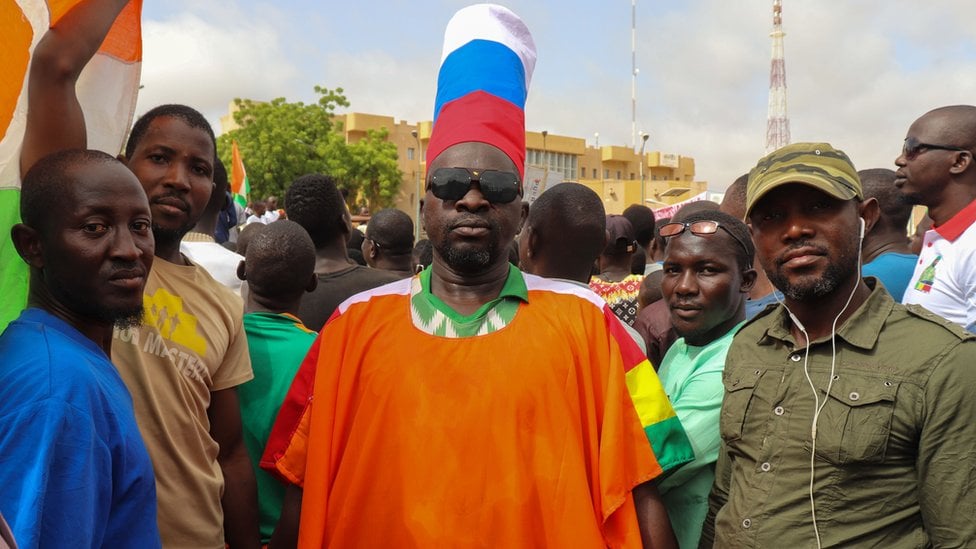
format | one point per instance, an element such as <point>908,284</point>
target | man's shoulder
<point>933,325</point>
<point>40,362</point>
<point>761,322</point>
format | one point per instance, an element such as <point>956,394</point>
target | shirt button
<point>746,523</point>
<point>795,357</point>
<point>854,395</point>
<point>778,410</point>
<point>765,467</point>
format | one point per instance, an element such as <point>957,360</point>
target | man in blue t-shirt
<point>75,470</point>
<point>886,250</point>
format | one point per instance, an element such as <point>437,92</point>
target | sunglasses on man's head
<point>913,147</point>
<point>453,183</point>
<point>698,228</point>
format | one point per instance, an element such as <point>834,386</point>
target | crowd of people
<point>783,368</point>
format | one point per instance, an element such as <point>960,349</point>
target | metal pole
<point>644,138</point>
<point>416,204</point>
<point>633,72</point>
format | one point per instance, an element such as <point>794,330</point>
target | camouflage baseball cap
<point>815,164</point>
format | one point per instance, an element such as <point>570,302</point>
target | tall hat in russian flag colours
<point>486,68</point>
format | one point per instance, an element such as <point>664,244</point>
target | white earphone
<point>863,225</point>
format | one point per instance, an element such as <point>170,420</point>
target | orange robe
<point>524,437</point>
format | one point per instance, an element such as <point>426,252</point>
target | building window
<point>619,175</point>
<point>409,153</point>
<point>582,173</point>
<point>606,174</point>
<point>632,176</point>
<point>594,173</point>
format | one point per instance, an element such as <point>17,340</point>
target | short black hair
<point>314,202</point>
<point>47,183</point>
<point>642,219</point>
<point>191,116</point>
<point>896,209</point>
<point>571,221</point>
<point>744,254</point>
<point>734,201</point>
<point>694,207</point>
<point>280,261</point>
<point>392,230</point>
<point>248,232</point>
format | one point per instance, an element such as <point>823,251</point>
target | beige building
<point>613,172</point>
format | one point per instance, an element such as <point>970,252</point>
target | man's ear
<point>312,284</point>
<point>870,210</point>
<point>28,243</point>
<point>748,280</point>
<point>523,216</point>
<point>241,270</point>
<point>962,160</point>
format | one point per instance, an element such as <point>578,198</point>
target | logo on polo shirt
<point>927,279</point>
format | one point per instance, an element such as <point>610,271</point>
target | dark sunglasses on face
<point>453,183</point>
<point>913,147</point>
<point>699,228</point>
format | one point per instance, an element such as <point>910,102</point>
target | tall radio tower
<point>777,122</point>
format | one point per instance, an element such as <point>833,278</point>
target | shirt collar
<point>197,237</point>
<point>953,229</point>
<point>514,284</point>
<point>861,329</point>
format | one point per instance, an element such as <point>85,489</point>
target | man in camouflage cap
<point>845,419</point>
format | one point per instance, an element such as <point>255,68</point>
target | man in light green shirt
<point>707,277</point>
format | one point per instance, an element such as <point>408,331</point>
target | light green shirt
<point>692,378</point>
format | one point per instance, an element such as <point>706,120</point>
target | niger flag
<point>240,187</point>
<point>107,91</point>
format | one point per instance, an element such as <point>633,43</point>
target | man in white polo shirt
<point>936,169</point>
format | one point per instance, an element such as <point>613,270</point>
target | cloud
<point>206,62</point>
<point>858,73</point>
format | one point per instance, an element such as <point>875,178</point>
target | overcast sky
<point>858,72</point>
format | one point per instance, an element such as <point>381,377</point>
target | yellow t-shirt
<point>191,344</point>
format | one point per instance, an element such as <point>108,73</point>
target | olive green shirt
<point>895,446</point>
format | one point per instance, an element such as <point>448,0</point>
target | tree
<point>373,165</point>
<point>280,141</point>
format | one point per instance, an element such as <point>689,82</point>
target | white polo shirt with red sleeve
<point>945,275</point>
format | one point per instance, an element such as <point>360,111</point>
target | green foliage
<point>373,160</point>
<point>280,141</point>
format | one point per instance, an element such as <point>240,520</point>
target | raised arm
<point>54,118</point>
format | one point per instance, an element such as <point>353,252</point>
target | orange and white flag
<point>107,90</point>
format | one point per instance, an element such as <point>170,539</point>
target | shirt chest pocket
<point>855,424</point>
<point>740,387</point>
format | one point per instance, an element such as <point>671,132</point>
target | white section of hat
<point>495,23</point>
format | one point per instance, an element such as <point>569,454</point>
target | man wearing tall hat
<point>472,404</point>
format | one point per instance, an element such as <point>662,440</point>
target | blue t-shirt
<point>894,270</point>
<point>74,471</point>
<point>754,306</point>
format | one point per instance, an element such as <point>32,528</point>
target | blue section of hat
<point>481,65</point>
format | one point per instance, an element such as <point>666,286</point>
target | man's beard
<point>469,260</point>
<point>129,318</point>
<point>827,283</point>
<point>166,236</point>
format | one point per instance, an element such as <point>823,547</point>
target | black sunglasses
<point>913,147</point>
<point>453,183</point>
<point>699,228</point>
